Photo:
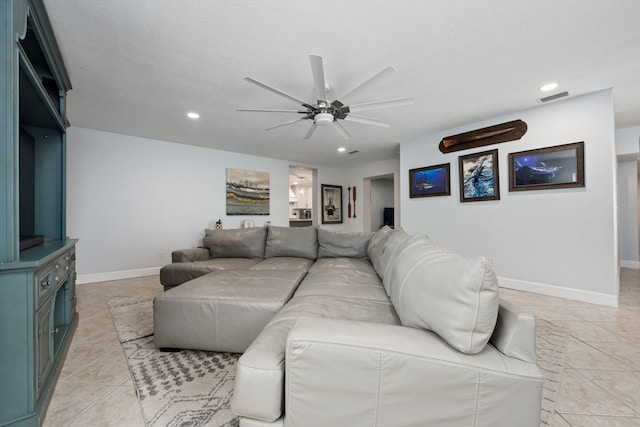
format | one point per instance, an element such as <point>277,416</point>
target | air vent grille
<point>554,97</point>
<point>353,152</point>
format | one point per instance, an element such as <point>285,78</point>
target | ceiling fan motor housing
<point>323,119</point>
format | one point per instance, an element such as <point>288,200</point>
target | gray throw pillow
<point>437,290</point>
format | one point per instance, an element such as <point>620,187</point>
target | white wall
<point>359,177</point>
<point>628,141</point>
<point>131,201</point>
<point>557,242</point>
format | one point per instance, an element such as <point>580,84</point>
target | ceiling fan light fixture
<point>323,119</point>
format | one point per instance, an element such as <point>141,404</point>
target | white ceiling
<point>137,67</point>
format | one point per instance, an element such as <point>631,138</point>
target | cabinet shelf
<point>36,105</point>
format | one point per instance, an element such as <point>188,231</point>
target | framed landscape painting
<point>479,179</point>
<point>247,192</point>
<point>331,204</point>
<point>560,166</point>
<point>430,181</point>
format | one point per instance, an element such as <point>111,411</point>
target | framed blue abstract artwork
<point>479,179</point>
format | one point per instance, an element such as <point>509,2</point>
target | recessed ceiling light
<point>548,87</point>
<point>193,115</point>
<point>295,182</point>
<point>342,149</point>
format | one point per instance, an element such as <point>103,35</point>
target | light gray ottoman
<point>223,310</point>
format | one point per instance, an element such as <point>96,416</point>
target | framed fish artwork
<point>560,166</point>
<point>430,181</point>
<point>479,179</point>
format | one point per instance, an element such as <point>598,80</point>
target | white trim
<point>559,291</point>
<point>116,275</point>
<point>630,264</point>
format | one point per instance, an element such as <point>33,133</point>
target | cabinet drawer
<point>51,276</point>
<point>44,283</point>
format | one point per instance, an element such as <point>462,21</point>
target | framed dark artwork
<point>247,192</point>
<point>560,166</point>
<point>331,204</point>
<point>430,181</point>
<point>479,178</point>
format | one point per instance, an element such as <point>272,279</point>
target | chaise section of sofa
<point>411,335</point>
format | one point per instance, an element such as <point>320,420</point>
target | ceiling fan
<point>325,113</point>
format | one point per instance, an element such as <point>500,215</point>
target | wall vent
<point>353,152</point>
<point>554,97</point>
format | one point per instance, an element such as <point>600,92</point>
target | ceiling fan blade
<point>381,75</point>
<point>266,110</point>
<point>286,124</point>
<point>312,129</point>
<point>317,70</point>
<point>341,130</point>
<point>381,104</point>
<point>366,121</point>
<point>274,90</point>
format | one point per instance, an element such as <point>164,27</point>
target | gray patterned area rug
<point>551,348</point>
<point>194,388</point>
<point>186,388</point>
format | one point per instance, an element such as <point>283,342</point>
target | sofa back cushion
<point>301,242</point>
<point>383,255</point>
<point>236,243</point>
<point>437,290</point>
<point>332,244</point>
<point>377,242</point>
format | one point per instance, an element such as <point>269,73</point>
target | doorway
<point>379,207</point>
<point>302,198</point>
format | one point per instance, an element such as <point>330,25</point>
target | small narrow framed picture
<point>430,181</point>
<point>331,204</point>
<point>560,166</point>
<point>479,177</point>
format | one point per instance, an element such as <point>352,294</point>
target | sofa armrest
<point>365,374</point>
<point>190,255</point>
<point>515,333</point>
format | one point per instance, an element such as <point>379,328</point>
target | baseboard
<point>116,275</point>
<point>630,264</point>
<point>560,292</point>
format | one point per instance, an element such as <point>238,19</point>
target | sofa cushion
<point>236,243</point>
<point>382,259</point>
<point>333,244</point>
<point>301,242</point>
<point>437,290</point>
<point>377,242</point>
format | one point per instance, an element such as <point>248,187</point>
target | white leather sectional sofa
<point>361,329</point>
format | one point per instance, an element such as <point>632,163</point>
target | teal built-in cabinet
<point>37,261</point>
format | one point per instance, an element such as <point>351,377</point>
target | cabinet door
<point>44,344</point>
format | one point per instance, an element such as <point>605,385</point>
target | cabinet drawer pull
<point>45,284</point>
<point>55,331</point>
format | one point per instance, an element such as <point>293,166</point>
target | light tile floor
<point>600,385</point>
